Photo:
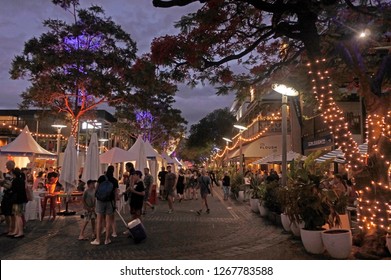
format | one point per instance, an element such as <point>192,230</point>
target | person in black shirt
<point>226,184</point>
<point>137,197</point>
<point>162,177</point>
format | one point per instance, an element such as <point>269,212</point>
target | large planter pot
<point>388,242</point>
<point>286,222</point>
<point>295,228</point>
<point>254,205</point>
<point>312,241</point>
<point>337,242</point>
<point>263,211</point>
<point>241,196</point>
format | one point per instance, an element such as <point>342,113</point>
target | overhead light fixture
<point>285,90</point>
<point>241,127</point>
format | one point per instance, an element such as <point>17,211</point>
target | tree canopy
<point>76,66</point>
<point>207,135</point>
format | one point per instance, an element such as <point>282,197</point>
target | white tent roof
<point>114,155</point>
<point>137,153</point>
<point>150,152</point>
<point>134,151</point>
<point>167,158</point>
<point>25,145</point>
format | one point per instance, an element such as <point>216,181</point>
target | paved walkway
<point>230,231</point>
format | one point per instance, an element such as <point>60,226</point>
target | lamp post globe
<point>285,91</point>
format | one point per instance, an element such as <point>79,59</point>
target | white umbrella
<point>91,169</point>
<point>290,156</point>
<point>68,177</point>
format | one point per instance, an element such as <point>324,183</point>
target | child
<point>137,197</point>
<point>89,207</point>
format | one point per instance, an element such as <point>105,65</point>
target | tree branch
<point>239,55</point>
<point>173,3</point>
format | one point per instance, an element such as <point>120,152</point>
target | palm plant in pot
<point>337,241</point>
<point>257,193</point>
<point>237,181</point>
<point>314,211</point>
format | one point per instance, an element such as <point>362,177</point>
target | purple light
<point>145,120</point>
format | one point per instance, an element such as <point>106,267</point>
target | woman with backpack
<point>105,204</point>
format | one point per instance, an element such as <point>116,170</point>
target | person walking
<point>18,188</point>
<point>148,181</point>
<point>8,197</point>
<point>180,184</point>
<point>105,209</point>
<point>169,185</point>
<point>226,184</point>
<point>137,197</point>
<point>89,209</point>
<point>162,179</point>
<point>204,183</point>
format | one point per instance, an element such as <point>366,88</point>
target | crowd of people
<point>17,186</point>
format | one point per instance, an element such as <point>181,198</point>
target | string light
<point>371,212</point>
<point>32,133</point>
<point>271,119</point>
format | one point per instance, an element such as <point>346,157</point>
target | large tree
<point>208,134</point>
<point>74,67</point>
<point>149,111</point>
<point>264,36</point>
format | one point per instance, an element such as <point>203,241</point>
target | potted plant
<point>388,238</point>
<point>257,193</point>
<point>236,182</point>
<point>337,240</point>
<point>314,211</point>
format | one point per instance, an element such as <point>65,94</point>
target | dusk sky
<point>20,20</point>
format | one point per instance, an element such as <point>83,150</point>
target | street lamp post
<point>59,127</point>
<point>227,141</point>
<point>285,92</point>
<point>241,129</point>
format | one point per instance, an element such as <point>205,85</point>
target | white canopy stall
<point>24,150</point>
<point>155,160</point>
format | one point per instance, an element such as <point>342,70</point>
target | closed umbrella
<point>68,177</point>
<point>91,169</point>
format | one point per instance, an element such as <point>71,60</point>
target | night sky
<point>20,20</point>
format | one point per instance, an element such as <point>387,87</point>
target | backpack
<point>105,190</point>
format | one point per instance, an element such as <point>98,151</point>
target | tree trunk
<point>75,128</point>
<point>373,182</point>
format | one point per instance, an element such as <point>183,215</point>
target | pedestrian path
<point>230,231</point>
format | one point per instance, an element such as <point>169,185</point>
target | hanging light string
<point>332,115</point>
<point>32,133</point>
<point>371,211</point>
<point>270,119</point>
<point>41,135</point>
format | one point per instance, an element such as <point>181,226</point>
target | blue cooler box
<point>137,231</point>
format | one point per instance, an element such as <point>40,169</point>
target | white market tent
<point>114,155</point>
<point>170,161</point>
<point>26,147</point>
<point>137,153</point>
<point>155,160</point>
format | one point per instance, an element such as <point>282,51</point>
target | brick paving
<point>230,231</point>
